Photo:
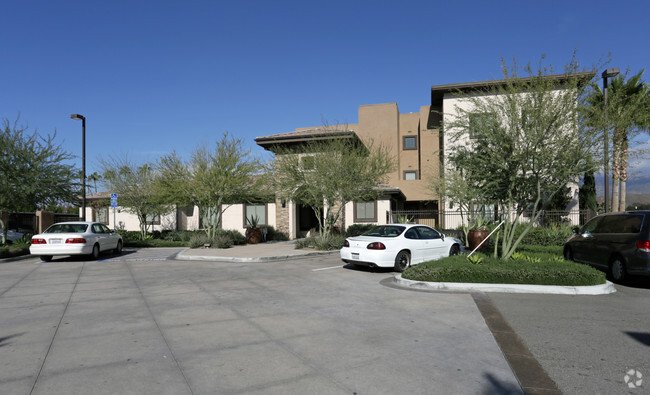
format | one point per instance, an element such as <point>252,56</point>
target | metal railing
<point>453,219</point>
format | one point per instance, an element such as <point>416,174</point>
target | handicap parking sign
<point>113,199</point>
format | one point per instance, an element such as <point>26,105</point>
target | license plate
<point>355,255</point>
<point>55,241</point>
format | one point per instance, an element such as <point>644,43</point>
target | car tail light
<point>346,243</point>
<point>39,241</point>
<point>75,241</point>
<point>376,246</point>
<point>643,245</point>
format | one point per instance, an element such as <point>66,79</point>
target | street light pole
<point>83,155</point>
<point>606,74</point>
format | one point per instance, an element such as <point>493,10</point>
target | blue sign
<point>113,199</point>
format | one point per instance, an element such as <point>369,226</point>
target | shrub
<point>555,235</point>
<point>358,229</point>
<point>530,267</point>
<point>275,235</point>
<point>220,240</point>
<point>327,243</point>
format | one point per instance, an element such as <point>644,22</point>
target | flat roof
<point>303,136</point>
<point>438,91</point>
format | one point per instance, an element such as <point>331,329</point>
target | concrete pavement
<point>143,322</point>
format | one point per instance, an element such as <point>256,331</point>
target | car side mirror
<point>575,230</point>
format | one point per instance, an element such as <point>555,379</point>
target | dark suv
<point>616,242</point>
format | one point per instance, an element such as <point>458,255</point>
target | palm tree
<point>628,103</point>
<point>94,178</point>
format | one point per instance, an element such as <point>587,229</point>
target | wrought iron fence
<point>452,219</point>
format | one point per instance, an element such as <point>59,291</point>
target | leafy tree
<point>328,174</point>
<point>33,171</point>
<point>136,187</point>
<point>587,192</point>
<point>459,193</point>
<point>212,180</point>
<point>521,142</point>
<point>628,106</point>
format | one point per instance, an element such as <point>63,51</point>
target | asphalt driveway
<point>142,323</point>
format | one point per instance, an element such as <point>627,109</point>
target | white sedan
<point>398,246</point>
<point>75,238</point>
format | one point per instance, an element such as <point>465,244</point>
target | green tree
<point>327,174</point>
<point>212,180</point>
<point>521,142</point>
<point>628,106</point>
<point>459,193</point>
<point>588,200</point>
<point>34,171</point>
<point>136,187</point>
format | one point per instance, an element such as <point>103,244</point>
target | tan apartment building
<point>411,140</point>
<point>415,141</point>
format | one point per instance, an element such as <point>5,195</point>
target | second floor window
<point>479,122</point>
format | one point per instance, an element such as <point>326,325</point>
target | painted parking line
<point>327,268</point>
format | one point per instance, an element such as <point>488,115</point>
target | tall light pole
<point>606,74</point>
<point>83,155</point>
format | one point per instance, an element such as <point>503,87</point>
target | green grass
<point>541,265</point>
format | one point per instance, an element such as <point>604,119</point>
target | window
<point>427,233</point>
<point>365,212</point>
<point>410,143</point>
<point>257,211</point>
<point>153,219</point>
<point>411,175</point>
<point>480,122</point>
<point>100,215</point>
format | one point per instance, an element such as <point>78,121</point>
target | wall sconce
<point>283,203</point>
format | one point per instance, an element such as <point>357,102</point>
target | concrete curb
<point>601,289</point>
<point>16,258</point>
<point>183,257</point>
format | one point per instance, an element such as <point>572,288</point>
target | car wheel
<point>454,250</point>
<point>617,270</point>
<point>568,254</point>
<point>402,261</point>
<point>95,253</point>
<point>46,258</point>
<point>118,249</point>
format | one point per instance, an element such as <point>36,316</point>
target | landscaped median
<point>533,269</point>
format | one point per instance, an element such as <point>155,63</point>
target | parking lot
<point>144,323</point>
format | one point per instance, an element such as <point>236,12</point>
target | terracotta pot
<point>475,237</point>
<point>253,235</point>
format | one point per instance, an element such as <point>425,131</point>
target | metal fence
<point>452,219</point>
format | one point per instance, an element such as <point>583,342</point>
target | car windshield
<point>66,228</point>
<point>385,231</point>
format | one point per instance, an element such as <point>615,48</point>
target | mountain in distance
<point>637,189</point>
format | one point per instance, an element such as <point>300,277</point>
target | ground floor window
<point>100,215</point>
<point>365,211</point>
<point>153,219</point>
<point>256,211</point>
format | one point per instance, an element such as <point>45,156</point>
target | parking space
<point>141,323</point>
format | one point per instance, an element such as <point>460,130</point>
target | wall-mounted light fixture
<point>283,203</point>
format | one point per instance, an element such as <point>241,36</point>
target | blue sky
<point>154,76</point>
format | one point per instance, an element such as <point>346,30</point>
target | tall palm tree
<point>94,178</point>
<point>628,103</point>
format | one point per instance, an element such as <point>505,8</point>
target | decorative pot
<point>253,235</point>
<point>475,237</point>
